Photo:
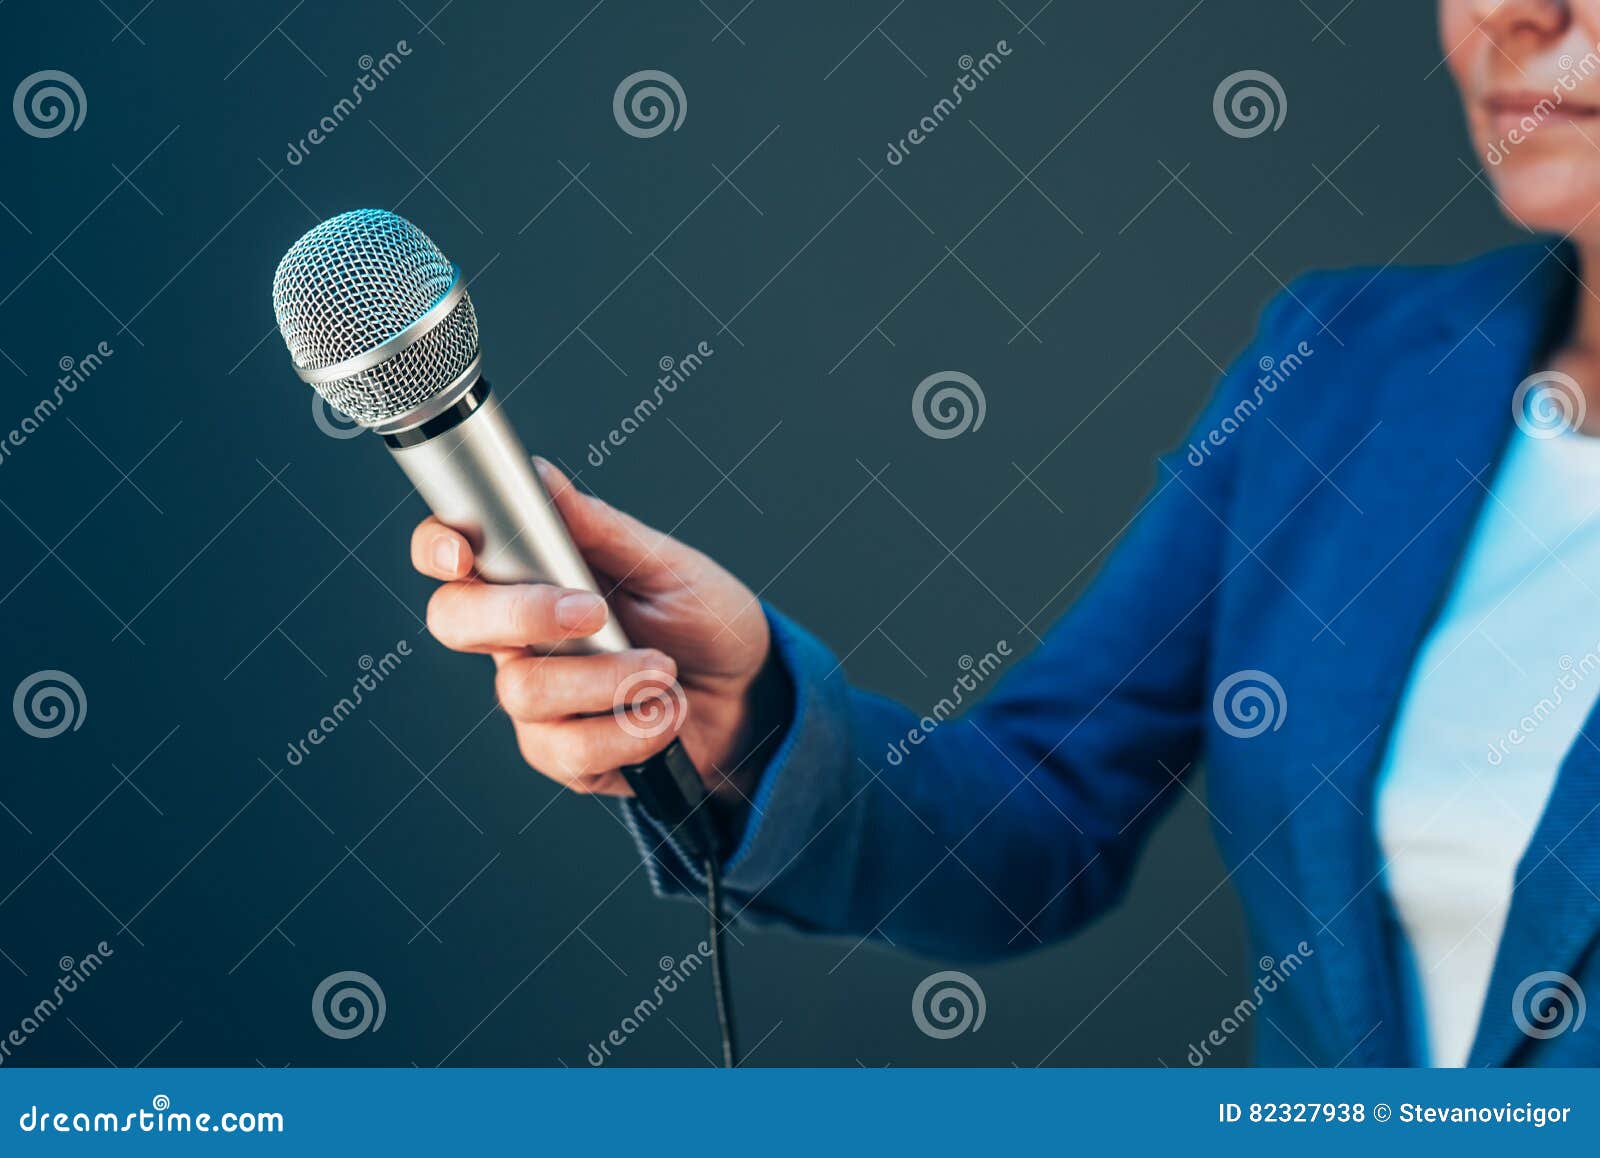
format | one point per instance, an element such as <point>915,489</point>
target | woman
<point>1366,594</point>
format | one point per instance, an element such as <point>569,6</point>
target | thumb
<point>627,551</point>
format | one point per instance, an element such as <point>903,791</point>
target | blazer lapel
<point>1555,912</point>
<point>1444,406</point>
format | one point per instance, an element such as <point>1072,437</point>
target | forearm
<point>865,822</point>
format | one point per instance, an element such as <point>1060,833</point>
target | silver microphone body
<point>478,479</point>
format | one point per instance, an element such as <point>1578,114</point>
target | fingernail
<point>541,465</point>
<point>447,556</point>
<point>572,610</point>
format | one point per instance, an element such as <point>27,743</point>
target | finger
<point>473,616</point>
<point>438,552</point>
<point>606,784</point>
<point>603,784</point>
<point>538,689</point>
<point>573,752</point>
<point>618,544</point>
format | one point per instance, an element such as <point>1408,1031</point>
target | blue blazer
<point>1310,532</point>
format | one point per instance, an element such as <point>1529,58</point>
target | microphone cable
<point>720,991</point>
<point>668,787</point>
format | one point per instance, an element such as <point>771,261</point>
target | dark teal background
<point>183,539</point>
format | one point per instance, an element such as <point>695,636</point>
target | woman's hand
<point>700,637</point>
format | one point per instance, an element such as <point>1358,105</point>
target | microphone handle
<point>475,475</point>
<point>472,470</point>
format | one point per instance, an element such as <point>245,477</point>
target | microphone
<point>379,322</point>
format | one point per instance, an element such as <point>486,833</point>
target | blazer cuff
<point>788,808</point>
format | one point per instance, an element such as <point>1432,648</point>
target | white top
<point>1499,689</point>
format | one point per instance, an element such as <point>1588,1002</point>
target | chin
<point>1552,194</point>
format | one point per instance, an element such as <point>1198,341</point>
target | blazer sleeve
<point>1018,821</point>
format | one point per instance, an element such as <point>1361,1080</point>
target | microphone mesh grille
<point>352,283</point>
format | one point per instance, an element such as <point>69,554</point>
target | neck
<point>1579,354</point>
<point>1583,340</point>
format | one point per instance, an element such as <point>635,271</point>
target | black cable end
<point>669,788</point>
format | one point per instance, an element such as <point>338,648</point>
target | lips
<point>1546,106</point>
